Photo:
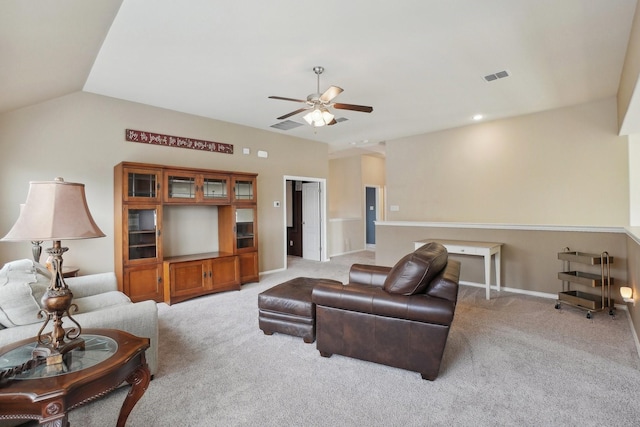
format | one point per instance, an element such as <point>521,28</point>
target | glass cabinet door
<point>142,185</point>
<point>245,229</point>
<point>244,190</point>
<point>181,188</point>
<point>215,188</point>
<point>143,242</point>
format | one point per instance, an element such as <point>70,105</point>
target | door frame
<point>323,213</point>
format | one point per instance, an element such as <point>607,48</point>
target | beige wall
<point>565,166</point>
<point>529,257</point>
<point>373,171</point>
<point>630,73</point>
<point>347,178</point>
<point>81,137</point>
<point>345,187</point>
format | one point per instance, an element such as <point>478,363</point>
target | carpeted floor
<point>512,361</point>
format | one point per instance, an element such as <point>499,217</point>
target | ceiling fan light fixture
<point>327,116</point>
<point>316,105</point>
<point>318,117</point>
<point>308,117</point>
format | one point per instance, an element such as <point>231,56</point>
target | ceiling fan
<point>318,104</point>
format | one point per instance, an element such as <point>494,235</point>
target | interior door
<point>371,214</point>
<point>311,221</point>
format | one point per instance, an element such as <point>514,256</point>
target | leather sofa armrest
<point>365,274</point>
<point>372,299</point>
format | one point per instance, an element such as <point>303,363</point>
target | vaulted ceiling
<point>420,63</point>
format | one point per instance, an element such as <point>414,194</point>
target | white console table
<point>483,249</point>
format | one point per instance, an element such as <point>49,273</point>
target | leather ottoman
<point>287,308</point>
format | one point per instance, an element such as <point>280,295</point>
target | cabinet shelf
<point>582,278</point>
<point>581,299</point>
<point>585,300</point>
<point>584,258</point>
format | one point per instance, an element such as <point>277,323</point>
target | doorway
<point>372,207</point>
<point>305,217</point>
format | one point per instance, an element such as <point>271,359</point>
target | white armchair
<point>100,305</point>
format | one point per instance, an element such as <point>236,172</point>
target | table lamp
<point>55,210</point>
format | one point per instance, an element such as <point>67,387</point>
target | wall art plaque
<point>177,141</point>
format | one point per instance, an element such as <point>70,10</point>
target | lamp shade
<point>54,210</point>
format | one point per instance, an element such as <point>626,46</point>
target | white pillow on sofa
<point>22,284</point>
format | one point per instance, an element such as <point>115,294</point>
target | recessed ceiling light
<point>477,117</point>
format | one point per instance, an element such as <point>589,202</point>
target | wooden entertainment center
<point>143,191</point>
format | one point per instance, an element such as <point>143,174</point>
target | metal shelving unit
<point>581,299</point>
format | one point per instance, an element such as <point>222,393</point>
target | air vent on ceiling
<point>286,125</point>
<point>496,76</point>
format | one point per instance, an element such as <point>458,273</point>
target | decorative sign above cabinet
<point>177,141</point>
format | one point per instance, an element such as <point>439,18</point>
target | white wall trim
<point>634,233</point>
<point>348,252</point>
<point>277,270</point>
<point>526,227</point>
<point>633,330</point>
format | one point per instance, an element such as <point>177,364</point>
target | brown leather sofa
<point>396,316</point>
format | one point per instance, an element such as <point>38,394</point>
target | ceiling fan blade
<point>287,99</point>
<point>332,122</point>
<point>331,93</point>
<point>293,113</point>
<point>361,108</point>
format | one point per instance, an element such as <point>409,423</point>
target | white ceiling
<point>419,63</point>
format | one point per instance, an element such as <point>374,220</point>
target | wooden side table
<point>70,271</point>
<point>110,357</point>
<point>483,249</point>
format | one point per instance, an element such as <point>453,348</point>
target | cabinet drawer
<point>464,250</point>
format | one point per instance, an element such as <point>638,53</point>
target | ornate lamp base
<point>56,303</point>
<point>55,356</point>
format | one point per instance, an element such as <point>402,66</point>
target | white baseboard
<point>347,253</point>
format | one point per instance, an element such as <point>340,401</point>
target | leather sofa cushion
<point>366,274</point>
<point>414,271</point>
<point>374,300</point>
<point>445,284</point>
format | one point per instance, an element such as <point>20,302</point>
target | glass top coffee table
<point>48,393</point>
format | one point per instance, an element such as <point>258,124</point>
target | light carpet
<point>514,361</point>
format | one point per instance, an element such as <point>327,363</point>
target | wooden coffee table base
<point>139,381</point>
<point>49,399</point>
